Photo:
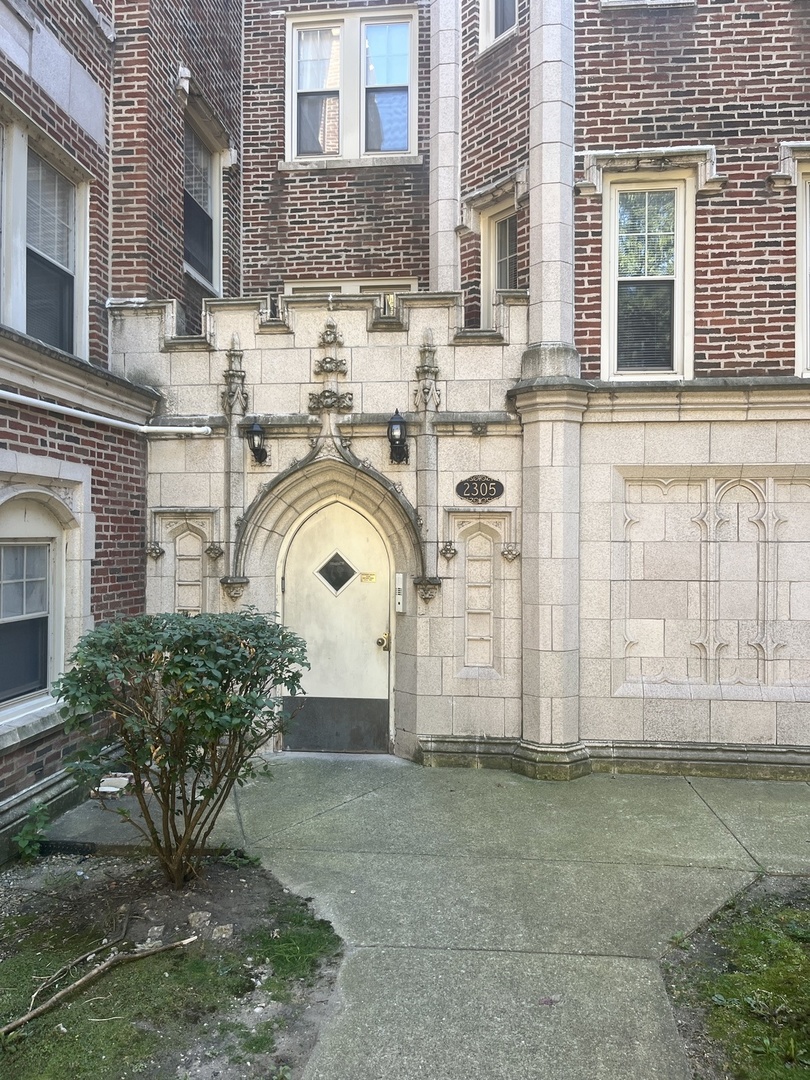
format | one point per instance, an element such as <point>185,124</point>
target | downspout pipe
<point>80,414</point>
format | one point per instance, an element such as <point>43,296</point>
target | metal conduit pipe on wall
<point>80,414</point>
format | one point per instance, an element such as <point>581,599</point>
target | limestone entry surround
<point>638,597</point>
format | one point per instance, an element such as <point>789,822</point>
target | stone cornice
<point>39,371</point>
<point>734,398</point>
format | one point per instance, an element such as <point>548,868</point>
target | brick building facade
<point>568,243</point>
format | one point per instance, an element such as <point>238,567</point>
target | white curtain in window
<point>318,59</point>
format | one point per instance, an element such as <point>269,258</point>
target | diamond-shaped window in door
<point>336,572</point>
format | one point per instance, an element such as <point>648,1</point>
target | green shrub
<point>192,700</point>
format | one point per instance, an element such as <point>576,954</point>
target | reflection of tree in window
<point>387,63</point>
<point>318,120</point>
<point>646,279</point>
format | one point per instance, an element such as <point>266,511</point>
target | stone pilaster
<point>445,152</point>
<point>551,174</point>
<point>551,418</point>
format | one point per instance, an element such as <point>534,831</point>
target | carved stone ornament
<point>154,550</point>
<point>448,549</point>
<point>479,429</point>
<point>234,586</point>
<point>510,552</point>
<point>329,335</point>
<point>214,551</point>
<point>331,401</point>
<point>330,365</point>
<point>234,397</point>
<point>427,350</point>
<point>428,590</point>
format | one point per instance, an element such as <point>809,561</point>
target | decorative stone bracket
<point>234,586</point>
<point>428,587</point>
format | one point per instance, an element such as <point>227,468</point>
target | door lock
<point>385,642</point>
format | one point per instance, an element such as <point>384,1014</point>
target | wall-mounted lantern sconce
<point>398,438</point>
<point>255,440</point>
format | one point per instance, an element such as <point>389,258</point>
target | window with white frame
<point>499,258</point>
<point>201,200</point>
<point>45,202</point>
<point>50,254</point>
<point>498,17</point>
<point>24,619</point>
<point>352,85</point>
<point>647,278</point>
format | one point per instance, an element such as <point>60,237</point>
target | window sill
<point>647,3</point>
<point>327,164</point>
<point>646,376</point>
<point>25,719</point>
<point>198,277</point>
<point>509,35</point>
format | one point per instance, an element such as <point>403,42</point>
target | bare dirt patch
<point>269,1027</point>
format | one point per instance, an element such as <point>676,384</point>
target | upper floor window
<point>198,205</point>
<point>498,17</point>
<point>44,241</point>
<point>648,241</point>
<point>50,254</point>
<point>499,257</point>
<point>352,92</point>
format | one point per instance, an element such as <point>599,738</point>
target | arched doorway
<point>336,593</point>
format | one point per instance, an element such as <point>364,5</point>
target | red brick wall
<point>154,40</point>
<point>38,758</point>
<point>733,75</point>
<point>74,28</point>
<point>495,133</point>
<point>118,496</point>
<point>365,222</point>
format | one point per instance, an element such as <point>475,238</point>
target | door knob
<point>385,642</point>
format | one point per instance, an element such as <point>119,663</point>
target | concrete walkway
<point>500,928</point>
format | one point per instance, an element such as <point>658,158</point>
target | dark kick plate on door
<point>338,725</point>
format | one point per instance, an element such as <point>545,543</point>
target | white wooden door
<point>336,595</point>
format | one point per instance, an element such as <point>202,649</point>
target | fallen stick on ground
<point>54,979</point>
<point>114,961</point>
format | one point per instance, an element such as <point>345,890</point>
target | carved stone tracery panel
<point>712,586</point>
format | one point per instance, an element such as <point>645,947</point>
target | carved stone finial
<point>427,392</point>
<point>234,397</point>
<point>330,336</point>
